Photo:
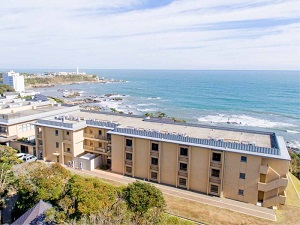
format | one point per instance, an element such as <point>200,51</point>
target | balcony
<point>280,182</point>
<point>154,167</point>
<point>154,153</point>
<point>128,162</point>
<point>215,180</point>
<point>128,148</point>
<point>275,200</point>
<point>183,158</point>
<point>68,142</point>
<point>88,148</point>
<point>101,150</point>
<point>263,169</point>
<point>109,154</point>
<point>68,153</point>
<point>182,173</point>
<point>216,164</point>
<point>96,137</point>
<point>40,135</point>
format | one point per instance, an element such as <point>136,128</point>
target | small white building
<point>14,80</point>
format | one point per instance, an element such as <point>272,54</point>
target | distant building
<point>14,80</point>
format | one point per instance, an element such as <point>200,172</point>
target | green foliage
<point>58,100</point>
<point>32,80</point>
<point>145,201</point>
<point>37,181</point>
<point>295,164</point>
<point>8,158</point>
<point>104,167</point>
<point>5,88</point>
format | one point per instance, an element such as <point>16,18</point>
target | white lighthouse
<point>77,71</point>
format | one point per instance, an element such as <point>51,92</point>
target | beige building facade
<point>243,165</point>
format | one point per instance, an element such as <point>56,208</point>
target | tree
<point>38,180</point>
<point>5,88</point>
<point>145,201</point>
<point>90,201</point>
<point>295,164</point>
<point>8,158</point>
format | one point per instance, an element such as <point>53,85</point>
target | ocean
<point>263,100</point>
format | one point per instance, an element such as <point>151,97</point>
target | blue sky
<point>150,34</point>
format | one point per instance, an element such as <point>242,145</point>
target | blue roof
<point>186,140</point>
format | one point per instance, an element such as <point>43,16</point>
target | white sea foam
<point>243,120</point>
<point>154,98</point>
<point>147,110</point>
<point>293,131</point>
<point>293,144</point>
<point>146,104</point>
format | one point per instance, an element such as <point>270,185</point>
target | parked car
<point>30,158</point>
<point>22,155</point>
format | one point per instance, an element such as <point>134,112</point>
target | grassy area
<point>173,220</point>
<point>209,214</point>
<point>292,198</point>
<point>296,182</point>
<point>286,215</point>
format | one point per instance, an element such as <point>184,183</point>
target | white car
<point>29,158</point>
<point>22,155</point>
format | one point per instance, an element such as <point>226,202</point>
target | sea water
<point>263,100</point>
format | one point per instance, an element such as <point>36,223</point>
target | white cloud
<point>185,34</point>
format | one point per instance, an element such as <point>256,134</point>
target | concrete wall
<point>117,153</point>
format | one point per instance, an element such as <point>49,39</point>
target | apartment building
<point>17,118</point>
<point>15,80</point>
<point>239,164</point>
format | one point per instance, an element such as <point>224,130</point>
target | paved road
<point>240,207</point>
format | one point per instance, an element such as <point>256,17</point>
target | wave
<point>293,131</point>
<point>243,120</point>
<point>154,98</point>
<point>293,144</point>
<point>146,104</point>
<point>147,110</point>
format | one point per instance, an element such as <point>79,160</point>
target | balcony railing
<point>182,173</point>
<point>154,153</point>
<point>95,136</point>
<point>215,164</point>
<point>154,167</point>
<point>68,152</point>
<point>87,147</point>
<point>128,149</point>
<point>183,158</point>
<point>263,169</point>
<point>275,200</point>
<point>128,162</point>
<point>215,180</point>
<point>280,182</point>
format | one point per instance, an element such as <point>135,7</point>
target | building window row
<point>183,166</point>
<point>215,173</point>
<point>128,143</point>
<point>216,157</point>
<point>128,156</point>
<point>154,146</point>
<point>214,189</point>
<point>242,176</point>
<point>26,127</point>
<point>154,161</point>
<point>154,175</point>
<point>182,181</point>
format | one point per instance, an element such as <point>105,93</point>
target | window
<point>57,144</point>
<point>68,150</point>
<point>56,132</point>
<point>243,158</point>
<point>242,176</point>
<point>154,175</point>
<point>100,132</point>
<point>154,161</point>
<point>100,145</point>
<point>68,133</point>
<point>241,192</point>
<point>182,181</point>
<point>184,151</point>
<point>183,166</point>
<point>128,169</point>
<point>128,156</point>
<point>215,173</point>
<point>216,157</point>
<point>214,189</point>
<point>128,143</point>
<point>154,147</point>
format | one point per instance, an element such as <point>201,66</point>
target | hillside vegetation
<point>31,81</point>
